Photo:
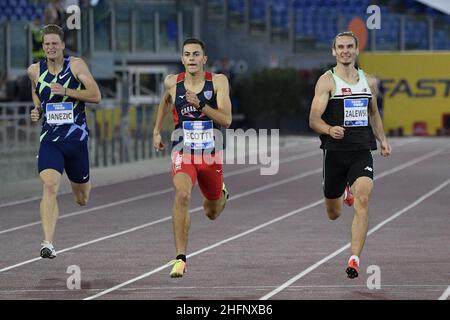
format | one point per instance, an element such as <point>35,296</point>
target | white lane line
<point>285,160</point>
<point>13,203</point>
<point>412,162</point>
<point>167,190</point>
<point>206,249</point>
<point>286,146</point>
<point>155,193</point>
<point>193,210</point>
<point>430,287</point>
<point>237,196</point>
<point>337,252</point>
<point>445,295</point>
<point>391,171</point>
<point>76,213</point>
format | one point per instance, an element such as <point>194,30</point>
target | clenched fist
<point>192,98</point>
<point>35,114</point>
<point>157,142</point>
<point>336,132</point>
<point>58,89</point>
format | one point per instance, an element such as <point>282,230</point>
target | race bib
<point>356,112</point>
<point>198,134</point>
<point>59,113</point>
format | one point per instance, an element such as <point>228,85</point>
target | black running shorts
<point>342,167</point>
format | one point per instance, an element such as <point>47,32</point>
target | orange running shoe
<point>352,269</point>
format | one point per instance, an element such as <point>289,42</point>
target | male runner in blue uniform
<point>60,87</point>
<point>344,111</point>
<point>200,104</point>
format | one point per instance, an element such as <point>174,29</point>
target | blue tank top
<point>64,117</point>
<point>192,127</point>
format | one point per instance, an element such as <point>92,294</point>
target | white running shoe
<point>47,250</point>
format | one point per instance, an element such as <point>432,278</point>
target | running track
<point>273,241</point>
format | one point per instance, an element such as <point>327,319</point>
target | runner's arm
<point>375,118</point>
<point>319,104</point>
<point>91,93</point>
<point>221,115</point>
<point>36,112</point>
<point>164,104</point>
<point>163,110</point>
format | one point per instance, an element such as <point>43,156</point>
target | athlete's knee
<point>362,200</point>
<point>333,213</point>
<point>182,198</point>
<point>50,188</point>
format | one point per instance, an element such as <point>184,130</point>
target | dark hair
<point>53,29</point>
<point>345,33</point>
<point>194,41</point>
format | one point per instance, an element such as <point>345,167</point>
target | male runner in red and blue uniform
<point>201,106</point>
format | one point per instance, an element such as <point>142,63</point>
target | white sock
<point>354,257</point>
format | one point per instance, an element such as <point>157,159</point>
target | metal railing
<point>19,140</point>
<point>138,27</point>
<point>121,134</point>
<point>117,135</point>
